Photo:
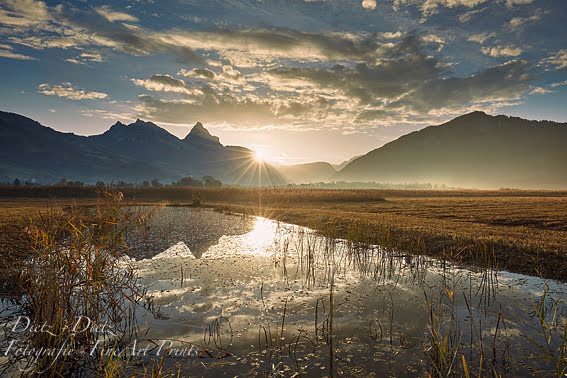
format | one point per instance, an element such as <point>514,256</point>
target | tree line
<point>204,182</point>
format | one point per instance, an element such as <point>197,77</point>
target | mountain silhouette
<point>475,150</point>
<point>138,151</point>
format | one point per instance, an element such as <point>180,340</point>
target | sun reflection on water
<point>261,237</point>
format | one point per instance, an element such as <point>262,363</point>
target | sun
<point>260,156</point>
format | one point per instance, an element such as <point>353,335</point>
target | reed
<point>75,283</point>
<point>553,330</point>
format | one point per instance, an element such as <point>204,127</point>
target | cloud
<point>392,35</point>
<point>404,66</point>
<point>540,91</point>
<point>130,39</point>
<point>277,76</point>
<point>164,83</point>
<point>7,51</point>
<point>367,83</point>
<point>204,73</point>
<point>229,74</point>
<point>559,59</point>
<point>31,23</point>
<point>209,106</point>
<point>268,112</point>
<point>229,79</point>
<point>429,7</point>
<point>406,84</point>
<point>113,16</point>
<point>85,58</point>
<point>402,87</point>
<point>92,56</point>
<point>517,22</point>
<point>501,51</point>
<point>467,16</point>
<point>555,85</point>
<point>481,38</point>
<point>286,44</point>
<point>388,92</point>
<point>21,13</point>
<point>246,59</point>
<point>369,4</point>
<point>67,90</point>
<point>498,84</point>
<point>65,27</point>
<point>511,3</point>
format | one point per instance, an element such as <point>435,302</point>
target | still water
<point>255,297</point>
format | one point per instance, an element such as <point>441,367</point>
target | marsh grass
<point>464,337</point>
<point>75,283</point>
<point>552,324</point>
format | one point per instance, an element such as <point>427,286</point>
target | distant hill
<point>475,150</point>
<point>306,173</point>
<point>139,151</point>
<point>340,166</point>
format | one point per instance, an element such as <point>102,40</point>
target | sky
<point>296,80</point>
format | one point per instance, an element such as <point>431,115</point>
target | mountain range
<point>475,150</point>
<point>135,152</point>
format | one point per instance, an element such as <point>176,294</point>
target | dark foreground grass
<point>521,231</point>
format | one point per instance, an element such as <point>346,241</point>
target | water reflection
<point>266,297</point>
<point>198,229</point>
<point>261,236</point>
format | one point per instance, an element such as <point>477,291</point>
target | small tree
<point>100,184</point>
<point>17,182</point>
<point>146,183</point>
<point>155,183</point>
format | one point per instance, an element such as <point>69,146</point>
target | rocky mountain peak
<point>200,133</point>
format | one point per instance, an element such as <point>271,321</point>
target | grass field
<point>521,231</point>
